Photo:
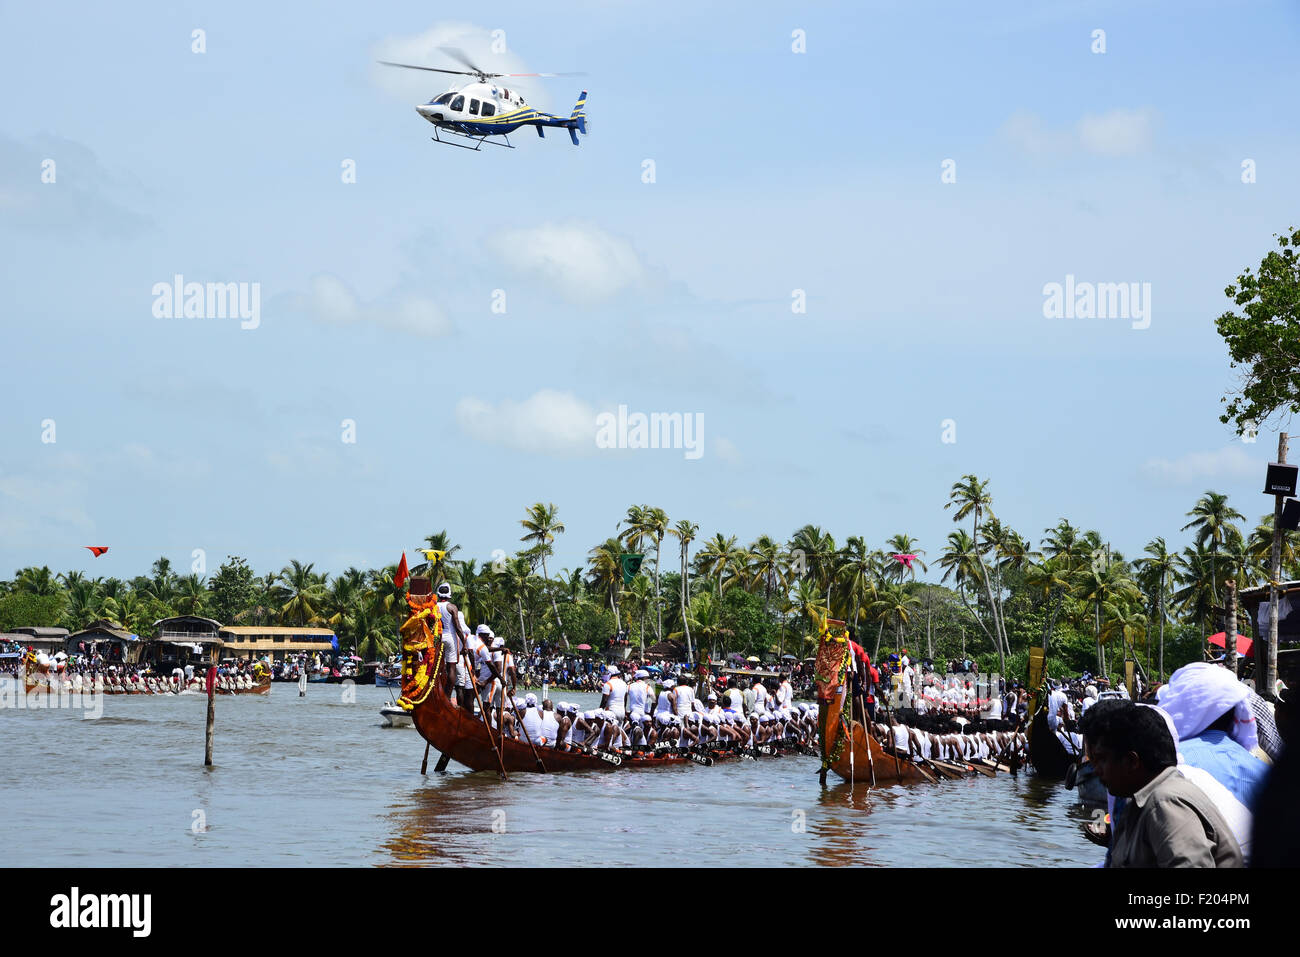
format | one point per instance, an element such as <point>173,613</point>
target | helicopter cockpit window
<point>489,109</point>
<point>458,104</point>
<point>445,98</point>
<point>473,107</point>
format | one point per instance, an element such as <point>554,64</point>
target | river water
<point>319,781</point>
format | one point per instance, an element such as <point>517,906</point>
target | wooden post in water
<point>212,688</point>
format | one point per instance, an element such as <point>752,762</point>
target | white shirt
<point>616,688</point>
<point>550,727</point>
<point>736,701</point>
<point>533,725</point>
<point>685,696</point>
<point>636,693</point>
<point>760,698</point>
<point>784,694</point>
<point>662,706</point>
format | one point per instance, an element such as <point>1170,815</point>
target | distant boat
<point>396,717</point>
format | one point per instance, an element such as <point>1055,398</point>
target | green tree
<point>1263,339</point>
<point>232,591</point>
<point>540,527</point>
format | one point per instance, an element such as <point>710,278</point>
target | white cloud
<point>726,450</point>
<point>1118,132</point>
<point>329,299</point>
<point>549,421</point>
<point>582,262</point>
<point>1231,463</point>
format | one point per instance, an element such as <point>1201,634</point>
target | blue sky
<point>774,171</point>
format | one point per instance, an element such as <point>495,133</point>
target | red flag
<point>905,560</point>
<point>96,550</point>
<point>400,578</point>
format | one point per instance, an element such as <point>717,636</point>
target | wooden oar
<point>981,767</point>
<point>501,761</point>
<point>943,770</point>
<point>520,718</point>
<point>424,765</point>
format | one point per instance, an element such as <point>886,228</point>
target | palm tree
<point>685,531</point>
<point>345,599</point>
<point>971,496</point>
<point>1261,545</point>
<point>894,606</point>
<point>765,564</point>
<point>304,593</point>
<point>705,616</point>
<point>163,584</point>
<point>816,549</point>
<point>191,596</point>
<point>639,597</point>
<point>1156,572</point>
<point>1212,519</point>
<point>540,527</point>
<point>606,574</point>
<point>1052,579</point>
<point>520,584</point>
<point>127,611</point>
<point>961,561</point>
<point>860,571</point>
<point>905,545</point>
<point>656,521</point>
<point>1197,598</point>
<point>1103,586</point>
<point>84,603</point>
<point>36,581</point>
<point>720,555</point>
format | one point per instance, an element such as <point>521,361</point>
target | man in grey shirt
<point>1168,821</point>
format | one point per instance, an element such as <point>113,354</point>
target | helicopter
<point>477,111</point>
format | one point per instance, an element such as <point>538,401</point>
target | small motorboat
<point>396,716</point>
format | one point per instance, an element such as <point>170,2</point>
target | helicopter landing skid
<point>478,141</point>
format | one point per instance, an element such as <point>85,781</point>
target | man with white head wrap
<point>1165,818</point>
<point>614,693</point>
<point>1215,726</point>
<point>532,719</point>
<point>664,704</point>
<point>637,691</point>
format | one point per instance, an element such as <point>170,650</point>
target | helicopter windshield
<point>445,98</point>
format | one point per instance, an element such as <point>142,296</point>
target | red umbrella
<point>584,647</point>
<point>1244,644</point>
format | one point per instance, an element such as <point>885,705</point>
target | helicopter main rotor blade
<point>431,69</point>
<point>460,57</point>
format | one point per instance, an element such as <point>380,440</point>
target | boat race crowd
<point>1183,768</point>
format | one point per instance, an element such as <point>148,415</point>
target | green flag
<point>631,565</point>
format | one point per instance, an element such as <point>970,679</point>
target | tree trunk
<point>659,629</point>
<point>1162,628</point>
<point>690,654</point>
<point>523,635</point>
<point>563,637</point>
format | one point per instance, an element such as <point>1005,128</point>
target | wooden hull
<point>468,741</point>
<point>264,687</point>
<point>1046,753</point>
<point>863,759</point>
